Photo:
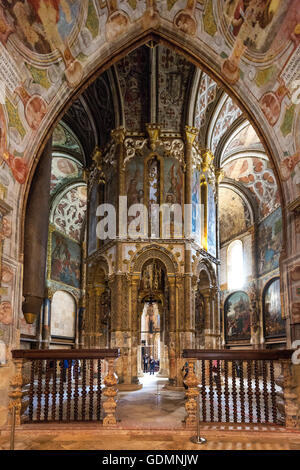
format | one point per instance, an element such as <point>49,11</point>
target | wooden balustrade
<point>240,386</point>
<point>64,385</point>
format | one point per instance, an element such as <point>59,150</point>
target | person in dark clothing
<point>152,365</point>
<point>146,363</point>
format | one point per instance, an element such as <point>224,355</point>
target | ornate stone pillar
<point>172,331</point>
<point>192,393</point>
<point>190,135</point>
<point>36,237</point>
<point>134,330</point>
<point>110,393</point>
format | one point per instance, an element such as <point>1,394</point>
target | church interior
<point>150,224</point>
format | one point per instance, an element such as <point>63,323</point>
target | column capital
<point>219,174</point>
<point>153,131</point>
<point>118,135</point>
<point>190,134</point>
<point>207,157</point>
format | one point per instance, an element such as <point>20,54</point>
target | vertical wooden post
<point>192,393</point>
<point>110,392</point>
<point>16,392</point>
<point>286,401</point>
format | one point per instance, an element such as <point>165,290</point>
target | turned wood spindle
<point>265,391</point>
<point>257,392</point>
<point>69,390</point>
<point>76,392</point>
<point>98,389</point>
<point>242,392</point>
<point>83,395</point>
<point>226,392</point>
<point>53,411</point>
<point>249,390</point>
<point>39,391</point>
<point>234,392</point>
<point>219,391</point>
<point>31,391</point>
<point>203,390</point>
<point>61,390</point>
<point>211,391</point>
<point>47,391</point>
<point>273,392</point>
<point>91,404</point>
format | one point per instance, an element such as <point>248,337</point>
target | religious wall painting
<point>196,213</point>
<point>274,324</point>
<point>234,214</point>
<point>258,176</point>
<point>63,170</point>
<point>246,138</point>
<point>237,317</point>
<point>63,138</point>
<point>290,170</point>
<point>16,164</point>
<point>253,28</point>
<point>46,28</point>
<point>135,181</point>
<point>211,221</point>
<point>65,260</point>
<point>269,242</point>
<point>173,181</point>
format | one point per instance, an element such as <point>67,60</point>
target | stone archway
<point>207,324</point>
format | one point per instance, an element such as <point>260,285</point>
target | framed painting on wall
<point>274,324</point>
<point>237,317</point>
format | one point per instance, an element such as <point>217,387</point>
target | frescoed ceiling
<point>234,214</point>
<point>68,213</point>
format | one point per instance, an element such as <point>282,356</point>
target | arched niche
<point>274,324</point>
<point>153,252</point>
<point>63,315</point>
<point>237,317</point>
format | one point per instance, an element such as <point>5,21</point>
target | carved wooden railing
<point>59,385</point>
<point>241,386</point>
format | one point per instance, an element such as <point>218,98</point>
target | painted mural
<point>65,260</point>
<point>211,222</point>
<point>234,215</point>
<point>69,212</point>
<point>237,317</point>
<point>63,170</point>
<point>257,175</point>
<point>173,181</point>
<point>196,208</point>
<point>246,138</point>
<point>65,140</point>
<point>269,242</point>
<point>274,324</point>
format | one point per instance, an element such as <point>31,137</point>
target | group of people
<point>150,364</point>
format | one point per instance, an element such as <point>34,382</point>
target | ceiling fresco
<point>49,49</point>
<point>63,171</point>
<point>234,215</point>
<point>256,175</point>
<point>68,213</point>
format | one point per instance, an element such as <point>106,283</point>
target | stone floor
<point>149,419</point>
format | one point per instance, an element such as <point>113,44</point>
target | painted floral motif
<point>227,115</point>
<point>206,95</point>
<point>258,177</point>
<point>70,212</point>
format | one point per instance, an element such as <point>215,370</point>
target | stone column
<point>172,331</point>
<point>36,236</point>
<point>190,135</point>
<point>207,321</point>
<point>47,323</point>
<point>135,357</point>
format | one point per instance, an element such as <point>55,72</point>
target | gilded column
<point>134,329</point>
<point>172,331</point>
<point>190,135</point>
